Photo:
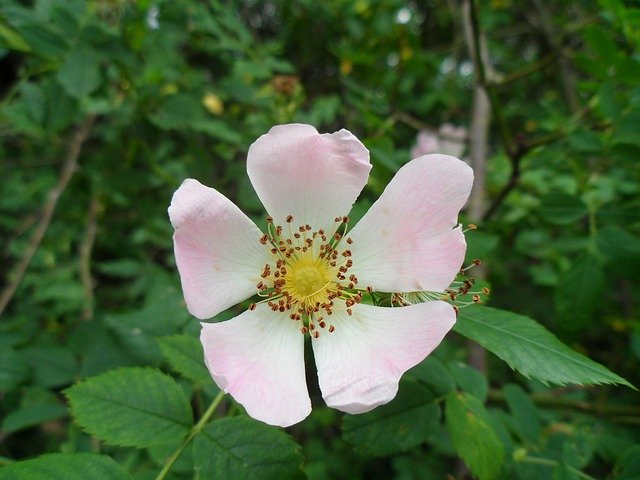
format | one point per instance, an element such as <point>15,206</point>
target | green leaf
<point>238,447</point>
<point>80,74</point>
<point>524,412</point>
<point>562,209</point>
<point>435,375</point>
<point>403,423</point>
<point>628,466</point>
<point>13,369</point>
<point>66,466</point>
<point>36,406</point>
<point>470,380</point>
<point>530,348</point>
<point>52,366</point>
<point>472,435</point>
<point>579,293</point>
<point>185,355</point>
<point>131,406</point>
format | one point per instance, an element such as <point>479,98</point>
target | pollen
<point>308,280</point>
<point>308,277</point>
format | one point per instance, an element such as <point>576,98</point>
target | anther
<point>477,262</point>
<point>263,239</point>
<point>345,219</point>
<point>289,218</point>
<point>304,330</point>
<point>349,241</point>
<point>269,219</point>
<point>315,334</point>
<point>485,290</point>
<point>331,329</point>
<point>252,306</point>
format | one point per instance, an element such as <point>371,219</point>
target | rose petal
<point>407,240</point>
<point>217,250</point>
<point>297,171</point>
<point>258,358</point>
<point>361,362</point>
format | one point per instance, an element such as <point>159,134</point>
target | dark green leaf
<point>405,422</point>
<point>185,355</point>
<point>579,293</point>
<point>80,74</point>
<point>435,375</point>
<point>52,366</point>
<point>14,369</point>
<point>470,380</point>
<point>66,466</point>
<point>562,209</point>
<point>524,412</point>
<point>131,406</point>
<point>530,348</point>
<point>472,435</point>
<point>628,466</point>
<point>238,447</point>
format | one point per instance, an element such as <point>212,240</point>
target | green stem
<point>553,463</point>
<point>194,431</point>
<point>546,400</point>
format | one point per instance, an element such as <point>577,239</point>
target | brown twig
<point>68,169</point>
<point>86,248</point>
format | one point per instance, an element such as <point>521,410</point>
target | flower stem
<point>194,431</point>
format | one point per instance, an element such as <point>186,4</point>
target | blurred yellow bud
<point>345,67</point>
<point>169,89</point>
<point>213,104</point>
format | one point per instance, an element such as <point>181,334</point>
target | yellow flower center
<point>307,280</point>
<point>308,276</point>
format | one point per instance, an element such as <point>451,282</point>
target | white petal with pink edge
<point>217,249</point>
<point>408,240</point>
<point>258,358</point>
<point>314,177</point>
<point>361,362</point>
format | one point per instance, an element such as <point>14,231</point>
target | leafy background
<point>106,105</point>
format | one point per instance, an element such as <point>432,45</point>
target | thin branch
<point>197,428</point>
<point>478,149</point>
<point>68,169</point>
<point>547,400</point>
<point>86,248</point>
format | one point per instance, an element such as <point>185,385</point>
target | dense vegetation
<point>107,105</point>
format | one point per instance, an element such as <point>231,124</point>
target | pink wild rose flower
<point>315,278</point>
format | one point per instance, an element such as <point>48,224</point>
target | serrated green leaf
<point>131,406</point>
<point>66,466</point>
<point>530,348</point>
<point>185,355</point>
<point>472,435</point>
<point>405,422</point>
<point>238,447</point>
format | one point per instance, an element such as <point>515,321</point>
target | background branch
<point>68,168</point>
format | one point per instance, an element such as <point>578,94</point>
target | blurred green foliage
<point>169,90</point>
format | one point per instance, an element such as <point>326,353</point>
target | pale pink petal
<point>258,357</point>
<point>361,362</point>
<point>408,240</point>
<point>297,171</point>
<point>217,249</point>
